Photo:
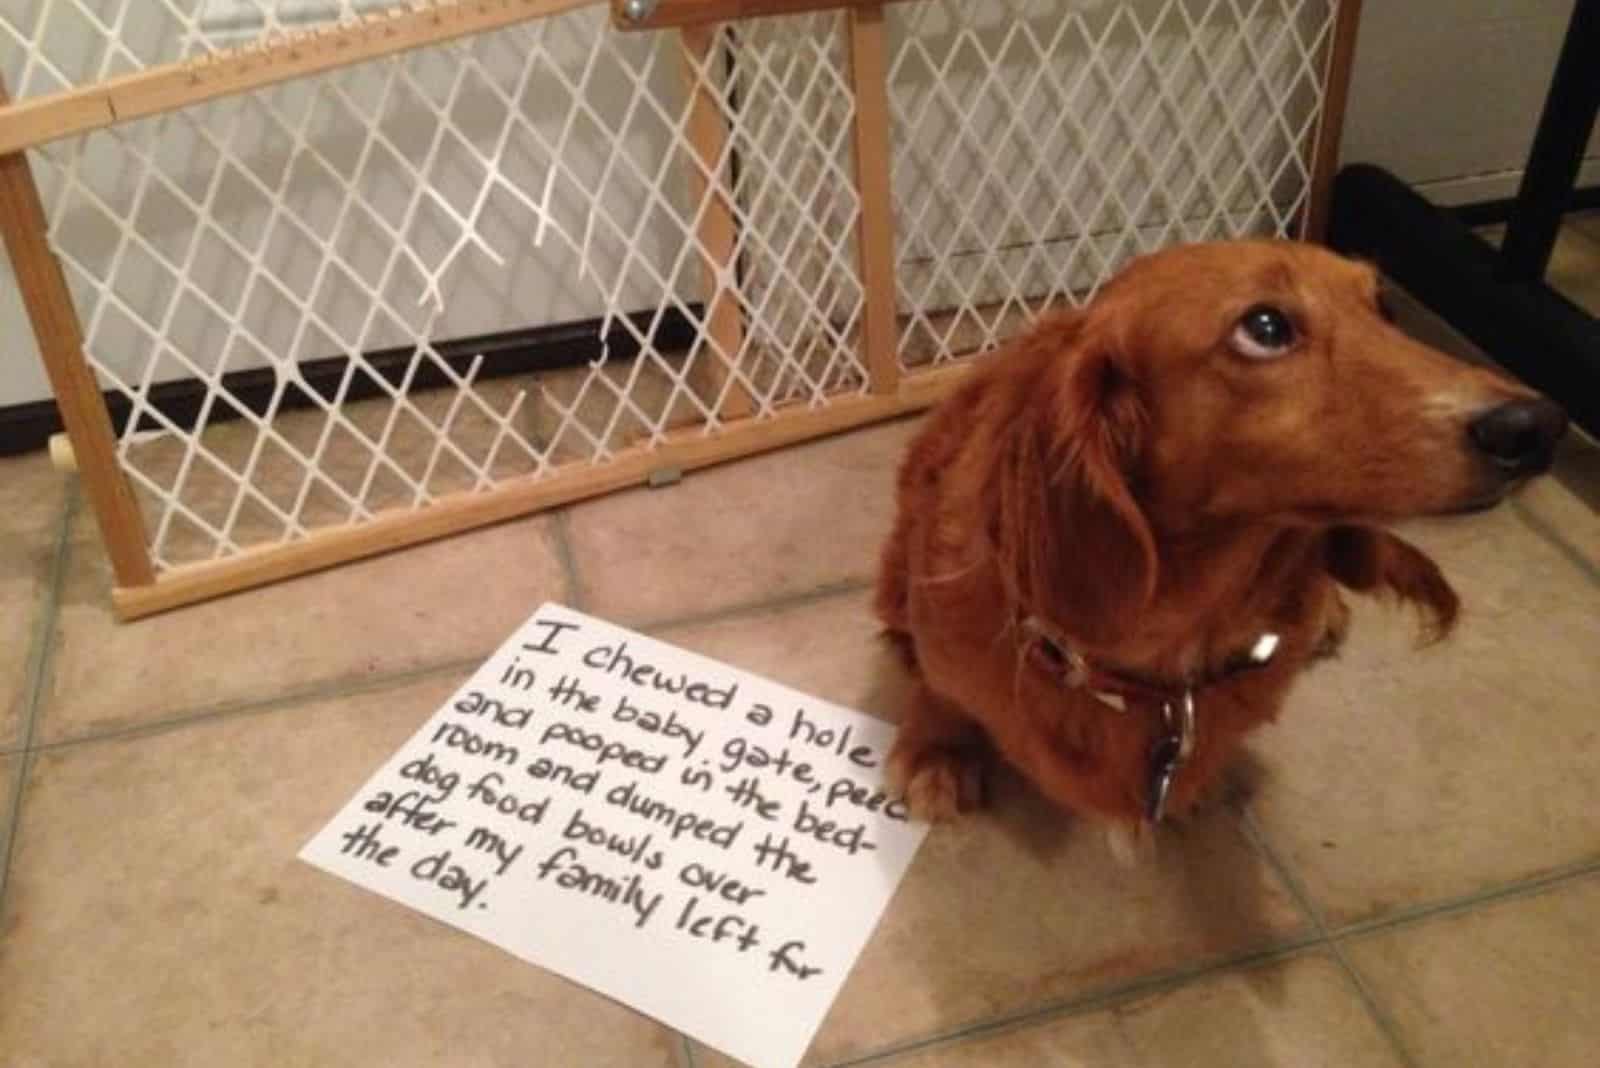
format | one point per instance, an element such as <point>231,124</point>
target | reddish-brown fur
<point>1124,473</point>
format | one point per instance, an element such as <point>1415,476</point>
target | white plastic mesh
<point>1041,145</point>
<point>540,175</point>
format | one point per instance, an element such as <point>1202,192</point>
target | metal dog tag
<point>1165,757</point>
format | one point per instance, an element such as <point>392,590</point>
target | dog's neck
<point>1217,591</point>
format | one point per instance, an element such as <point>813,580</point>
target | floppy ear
<point>1369,560</point>
<point>1073,543</point>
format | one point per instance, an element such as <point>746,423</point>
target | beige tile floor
<point>1414,880</point>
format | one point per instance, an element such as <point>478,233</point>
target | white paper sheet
<point>697,842</point>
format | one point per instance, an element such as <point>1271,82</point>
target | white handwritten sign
<point>704,845</point>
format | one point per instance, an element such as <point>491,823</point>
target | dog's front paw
<point>939,782</point>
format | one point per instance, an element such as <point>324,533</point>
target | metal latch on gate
<point>662,477</point>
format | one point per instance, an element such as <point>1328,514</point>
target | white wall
<point>1445,93</point>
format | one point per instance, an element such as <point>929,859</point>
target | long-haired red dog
<point>1120,542</point>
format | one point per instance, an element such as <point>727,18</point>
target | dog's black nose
<point>1520,436</point>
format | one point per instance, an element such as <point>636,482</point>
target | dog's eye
<point>1263,332</point>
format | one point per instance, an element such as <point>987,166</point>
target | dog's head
<point>1276,388</point>
<point>1249,383</point>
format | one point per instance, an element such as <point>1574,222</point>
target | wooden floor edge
<point>687,450</point>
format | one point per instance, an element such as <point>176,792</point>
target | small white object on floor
<point>704,845</point>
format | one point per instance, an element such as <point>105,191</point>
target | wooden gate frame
<point>139,591</point>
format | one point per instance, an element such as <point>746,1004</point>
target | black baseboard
<point>1529,328</point>
<point>1490,212</point>
<point>26,427</point>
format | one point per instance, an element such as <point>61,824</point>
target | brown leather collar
<point>1049,651</point>
<point>1173,701</point>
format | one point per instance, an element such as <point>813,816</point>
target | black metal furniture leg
<point>1564,128</point>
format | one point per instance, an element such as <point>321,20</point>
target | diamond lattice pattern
<point>1040,145</point>
<point>378,219</point>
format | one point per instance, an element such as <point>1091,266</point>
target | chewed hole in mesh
<point>544,174</point>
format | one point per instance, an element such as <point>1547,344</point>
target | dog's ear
<point>1369,560</point>
<point>1073,543</point>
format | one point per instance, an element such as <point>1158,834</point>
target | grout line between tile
<point>1542,528</point>
<point>561,524</point>
<point>1376,1010</point>
<point>37,677</point>
<point>755,608</point>
<point>349,686</point>
<point>346,687</point>
<point>1512,891</point>
<point>1092,1001</point>
<point>21,769</point>
<point>1280,867</point>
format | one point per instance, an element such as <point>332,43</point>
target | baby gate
<point>297,268</point>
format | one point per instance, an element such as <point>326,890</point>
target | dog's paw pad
<point>939,784</point>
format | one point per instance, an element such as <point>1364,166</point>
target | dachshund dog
<point>1120,541</point>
